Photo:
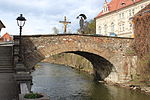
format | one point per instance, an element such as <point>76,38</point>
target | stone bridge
<point>108,55</point>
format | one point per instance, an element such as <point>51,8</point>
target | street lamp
<point>20,22</point>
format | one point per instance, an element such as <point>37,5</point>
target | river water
<point>64,83</point>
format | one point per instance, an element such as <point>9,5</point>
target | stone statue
<point>81,22</point>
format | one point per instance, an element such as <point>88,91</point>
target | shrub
<point>33,95</point>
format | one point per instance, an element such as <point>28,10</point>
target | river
<point>64,83</point>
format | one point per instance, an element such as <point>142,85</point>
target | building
<point>1,25</point>
<point>6,38</point>
<point>115,19</point>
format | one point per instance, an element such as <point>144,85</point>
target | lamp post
<point>22,76</point>
<point>20,22</point>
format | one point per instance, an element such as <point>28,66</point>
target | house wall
<point>121,20</point>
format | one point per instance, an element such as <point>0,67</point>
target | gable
<point>1,25</point>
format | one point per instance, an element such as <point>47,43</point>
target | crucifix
<point>65,24</point>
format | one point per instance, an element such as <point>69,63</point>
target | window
<point>112,27</point>
<point>130,13</point>
<point>122,15</point>
<point>133,11</point>
<point>119,15</point>
<point>99,29</point>
<point>142,6</point>
<point>130,26</point>
<point>122,27</point>
<point>133,0</point>
<point>105,9</point>
<point>105,29</point>
<point>123,3</point>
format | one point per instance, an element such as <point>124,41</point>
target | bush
<point>33,95</point>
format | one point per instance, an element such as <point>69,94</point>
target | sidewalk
<point>8,88</point>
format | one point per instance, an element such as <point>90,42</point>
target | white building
<point>116,16</point>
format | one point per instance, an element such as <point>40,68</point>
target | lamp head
<point>21,20</point>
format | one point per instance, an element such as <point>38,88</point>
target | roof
<point>1,25</point>
<point>6,35</point>
<point>115,5</point>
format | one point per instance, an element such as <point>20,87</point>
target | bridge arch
<point>101,66</point>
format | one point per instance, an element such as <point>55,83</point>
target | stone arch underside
<point>101,66</point>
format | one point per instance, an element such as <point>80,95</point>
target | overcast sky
<point>43,15</point>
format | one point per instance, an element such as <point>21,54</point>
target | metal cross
<point>65,24</point>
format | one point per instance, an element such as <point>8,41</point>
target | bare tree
<point>55,30</point>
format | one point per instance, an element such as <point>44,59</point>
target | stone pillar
<point>23,77</point>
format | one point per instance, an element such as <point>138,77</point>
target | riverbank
<point>142,87</point>
<point>134,86</point>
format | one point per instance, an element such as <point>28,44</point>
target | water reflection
<point>64,83</point>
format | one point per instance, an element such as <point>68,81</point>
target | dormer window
<point>133,0</point>
<point>123,3</point>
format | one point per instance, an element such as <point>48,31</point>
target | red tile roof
<point>6,37</point>
<point>115,5</point>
